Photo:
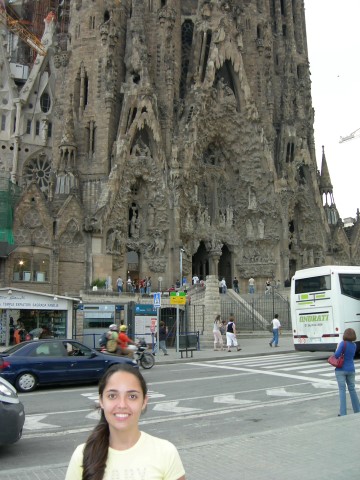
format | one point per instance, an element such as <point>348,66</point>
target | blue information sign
<point>157,299</point>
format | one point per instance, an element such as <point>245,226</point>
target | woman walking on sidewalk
<point>346,374</point>
<point>231,334</point>
<point>218,341</point>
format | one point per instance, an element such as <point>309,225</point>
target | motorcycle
<point>142,357</point>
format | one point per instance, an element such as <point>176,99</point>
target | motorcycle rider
<point>112,339</point>
<point>127,346</point>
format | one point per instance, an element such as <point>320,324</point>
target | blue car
<point>45,362</point>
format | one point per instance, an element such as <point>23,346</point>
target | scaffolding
<point>9,196</point>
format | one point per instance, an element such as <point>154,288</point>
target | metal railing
<point>255,311</point>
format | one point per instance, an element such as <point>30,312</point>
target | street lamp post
<point>181,266</point>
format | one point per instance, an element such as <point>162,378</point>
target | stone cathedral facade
<point>156,125</point>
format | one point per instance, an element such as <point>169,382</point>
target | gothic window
<point>106,16</point>
<point>45,102</point>
<point>31,268</point>
<point>282,7</point>
<point>91,22</point>
<point>3,122</point>
<point>259,33</point>
<point>28,127</point>
<point>38,169</point>
<point>206,55</point>
<point>49,133</point>
<point>290,151</point>
<point>284,30</point>
<point>37,127</point>
<point>186,43</point>
<point>91,137</point>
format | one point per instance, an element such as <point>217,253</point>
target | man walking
<point>120,284</point>
<point>276,329</point>
<point>236,285</point>
<point>251,285</point>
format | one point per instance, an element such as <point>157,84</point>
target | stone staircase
<point>253,314</point>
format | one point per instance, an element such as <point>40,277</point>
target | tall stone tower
<point>184,124</point>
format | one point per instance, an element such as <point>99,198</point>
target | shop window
<point>31,268</point>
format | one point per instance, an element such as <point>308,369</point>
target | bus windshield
<point>350,285</point>
<point>313,284</point>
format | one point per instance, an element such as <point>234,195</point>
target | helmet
<point>113,327</point>
<point>123,328</point>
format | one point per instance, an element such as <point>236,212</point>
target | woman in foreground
<point>117,448</point>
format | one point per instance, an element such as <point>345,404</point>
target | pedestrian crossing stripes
<point>291,363</point>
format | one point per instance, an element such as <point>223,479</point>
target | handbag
<point>338,362</point>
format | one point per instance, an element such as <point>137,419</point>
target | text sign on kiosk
<point>157,300</point>
<point>177,298</point>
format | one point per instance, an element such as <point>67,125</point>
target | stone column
<point>212,295</point>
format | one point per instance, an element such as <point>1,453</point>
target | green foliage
<point>99,283</point>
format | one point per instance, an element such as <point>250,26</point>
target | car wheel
<point>26,382</point>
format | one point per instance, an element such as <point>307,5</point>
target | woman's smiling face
<point>123,402</point>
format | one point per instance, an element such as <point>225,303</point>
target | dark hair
<point>349,335</point>
<point>97,445</point>
<point>217,318</point>
<point>276,315</point>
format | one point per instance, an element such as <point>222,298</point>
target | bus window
<point>313,284</point>
<point>350,285</point>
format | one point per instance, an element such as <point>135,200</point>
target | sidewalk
<point>316,451</point>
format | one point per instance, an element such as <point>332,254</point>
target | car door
<point>48,361</point>
<point>84,364</point>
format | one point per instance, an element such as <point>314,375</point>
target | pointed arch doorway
<point>224,270</point>
<point>200,262</point>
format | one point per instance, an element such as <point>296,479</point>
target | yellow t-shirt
<point>151,458</point>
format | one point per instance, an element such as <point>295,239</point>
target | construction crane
<point>15,26</point>
<point>352,135</point>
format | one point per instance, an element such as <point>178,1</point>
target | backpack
<point>103,340</point>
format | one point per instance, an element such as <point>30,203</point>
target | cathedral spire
<point>325,180</point>
<point>326,190</point>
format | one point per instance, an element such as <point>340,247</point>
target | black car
<point>12,414</point>
<point>55,361</point>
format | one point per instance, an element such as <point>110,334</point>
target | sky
<point>333,38</point>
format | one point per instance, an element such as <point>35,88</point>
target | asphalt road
<point>189,402</point>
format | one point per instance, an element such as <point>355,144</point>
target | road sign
<point>177,298</point>
<point>157,299</point>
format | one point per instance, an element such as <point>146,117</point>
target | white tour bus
<point>324,302</point>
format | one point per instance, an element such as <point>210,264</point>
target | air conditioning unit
<point>19,71</point>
